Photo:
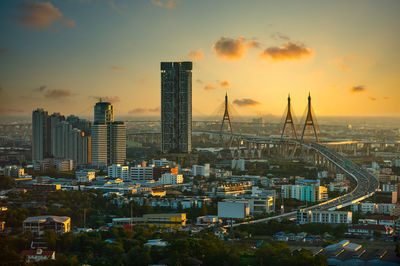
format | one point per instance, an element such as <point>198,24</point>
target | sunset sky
<point>63,55</point>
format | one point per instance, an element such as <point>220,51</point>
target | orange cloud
<point>209,87</point>
<point>57,94</point>
<point>41,15</point>
<point>343,61</point>
<point>196,55</point>
<point>344,67</point>
<point>287,52</point>
<point>245,102</point>
<point>228,48</point>
<point>166,4</point>
<point>221,85</point>
<point>225,84</point>
<point>357,89</point>
<point>118,68</point>
<point>145,110</point>
<point>372,98</point>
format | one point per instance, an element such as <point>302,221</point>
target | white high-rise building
<point>99,145</point>
<point>116,142</point>
<point>118,171</point>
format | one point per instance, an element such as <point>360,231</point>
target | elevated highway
<point>366,183</point>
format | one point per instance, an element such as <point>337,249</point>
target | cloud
<point>228,48</point>
<point>165,3</point>
<point>145,110</point>
<point>344,67</point>
<point>280,37</point>
<point>10,110</point>
<point>225,84</point>
<point>196,55</point>
<point>110,99</point>
<point>115,7</point>
<point>386,98</point>
<point>209,87</point>
<point>343,62</point>
<point>3,51</point>
<point>288,51</point>
<point>221,85</point>
<point>41,15</point>
<point>372,98</point>
<point>41,88</point>
<point>57,94</point>
<point>118,68</point>
<point>245,102</point>
<point>357,89</point>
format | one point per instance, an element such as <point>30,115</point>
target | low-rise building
<point>39,224</point>
<point>368,230</point>
<point>118,171</point>
<point>170,179</point>
<point>85,175</point>
<point>170,220</point>
<point>141,173</point>
<point>311,193</point>
<point>234,210</point>
<point>64,165</point>
<point>14,171</point>
<point>201,170</point>
<point>228,189</point>
<point>326,217</point>
<point>38,255</point>
<point>238,164</point>
<point>257,205</point>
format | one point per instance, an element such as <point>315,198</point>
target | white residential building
<point>370,207</point>
<point>326,217</point>
<point>170,179</point>
<point>141,173</point>
<point>238,164</point>
<point>338,186</point>
<point>257,204</point>
<point>118,171</point>
<point>385,208</point>
<point>389,187</point>
<point>85,175</point>
<point>200,170</point>
<point>160,163</point>
<point>65,165</point>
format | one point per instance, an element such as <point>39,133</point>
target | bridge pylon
<point>227,118</point>
<point>310,121</point>
<point>289,121</point>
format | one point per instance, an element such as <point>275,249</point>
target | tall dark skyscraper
<point>40,134</point>
<point>176,107</point>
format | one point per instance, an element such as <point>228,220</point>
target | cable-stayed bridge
<point>307,143</point>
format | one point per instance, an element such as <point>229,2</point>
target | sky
<point>64,55</point>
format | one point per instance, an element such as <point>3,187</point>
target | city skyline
<point>257,54</point>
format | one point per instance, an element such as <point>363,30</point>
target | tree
<point>50,237</point>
